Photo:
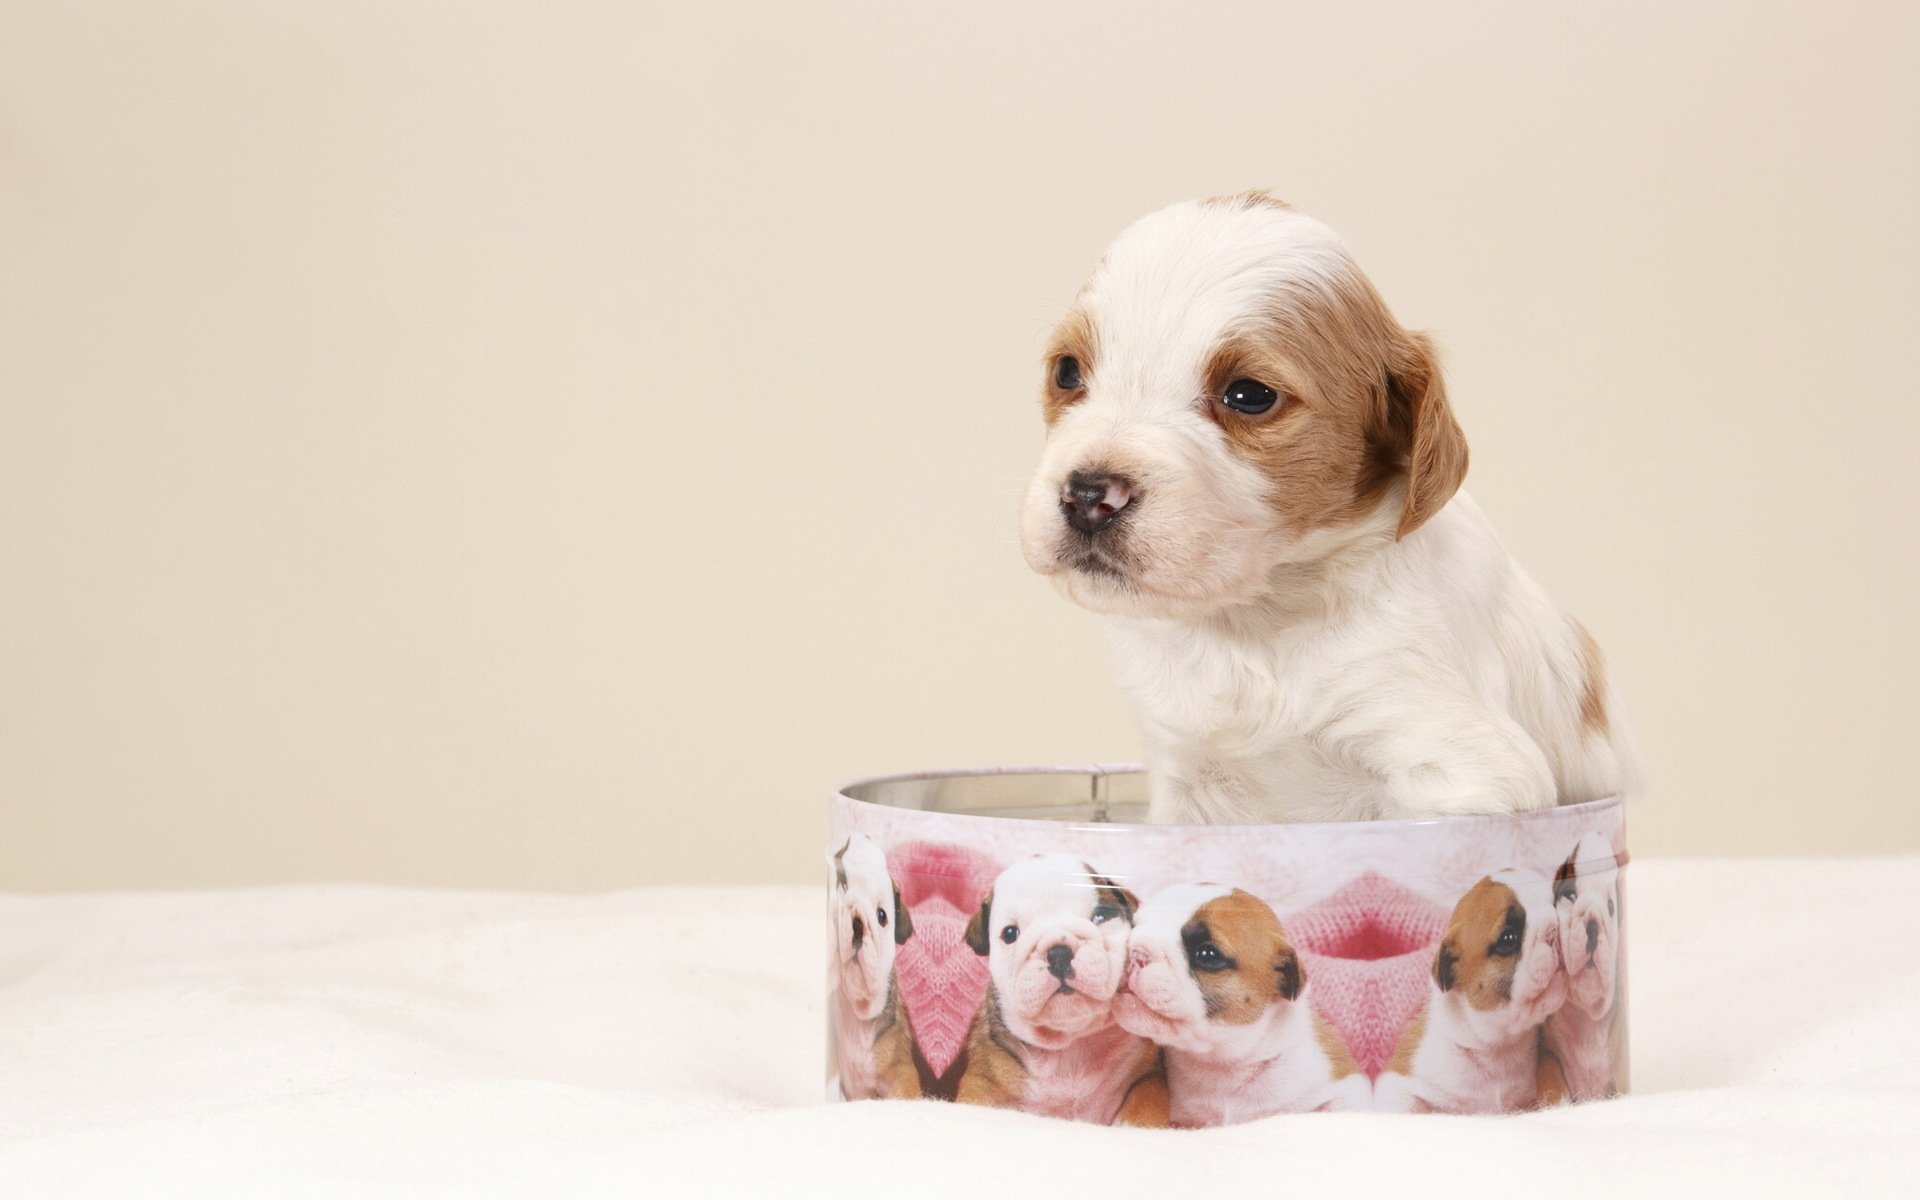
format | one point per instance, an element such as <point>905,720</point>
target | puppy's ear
<point>977,928</point>
<point>1436,449</point>
<point>840,864</point>
<point>1292,976</point>
<point>1566,879</point>
<point>902,920</point>
<point>1443,965</point>
<point>1113,893</point>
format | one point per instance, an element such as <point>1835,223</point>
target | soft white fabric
<point>350,1041</point>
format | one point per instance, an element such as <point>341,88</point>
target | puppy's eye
<point>1249,396</point>
<point>1106,912</point>
<point>1207,957</point>
<point>880,916</point>
<point>1508,942</point>
<point>1066,372</point>
<point>1010,934</point>
<point>1609,905</point>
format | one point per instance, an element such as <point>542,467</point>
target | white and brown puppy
<point>871,1034</point>
<point>1586,1037</point>
<point>1496,978</point>
<point>1213,980</point>
<point>1253,470</point>
<point>1055,937</point>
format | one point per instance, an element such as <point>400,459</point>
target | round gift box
<point>1021,938</point>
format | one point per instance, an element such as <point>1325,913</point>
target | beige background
<point>547,446</point>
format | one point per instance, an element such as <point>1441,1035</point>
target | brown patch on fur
<point>1074,337</point>
<point>1401,1062</point>
<point>1593,689</point>
<point>996,1072</point>
<point>1263,966</point>
<point>1566,879</point>
<point>1362,406</point>
<point>1335,1048</point>
<point>1437,452</point>
<point>995,1075</point>
<point>1148,1103</point>
<point>1549,1080</point>
<point>895,1057</point>
<point>902,919</point>
<point>1112,893</point>
<point>976,934</point>
<point>1466,961</point>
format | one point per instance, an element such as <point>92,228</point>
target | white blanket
<point>351,1041</point>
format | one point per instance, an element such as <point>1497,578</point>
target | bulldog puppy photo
<point>1497,977</point>
<point>1213,980</point>
<point>875,1042</point>
<point>1054,933</point>
<point>1253,472</point>
<point>1585,1037</point>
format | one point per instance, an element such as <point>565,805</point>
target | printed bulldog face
<point>1209,967</point>
<point>869,925</point>
<point>1586,897</point>
<point>1054,933</point>
<point>1501,955</point>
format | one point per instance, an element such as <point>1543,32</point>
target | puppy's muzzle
<point>1060,962</point>
<point>1090,501</point>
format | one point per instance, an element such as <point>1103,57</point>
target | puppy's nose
<point>1090,501</point>
<point>1059,961</point>
<point>859,932</point>
<point>1593,934</point>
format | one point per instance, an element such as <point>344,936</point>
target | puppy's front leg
<point>1148,1103</point>
<point>1442,756</point>
<point>1395,1093</point>
<point>1172,799</point>
<point>1184,788</point>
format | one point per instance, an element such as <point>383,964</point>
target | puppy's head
<point>1500,958</point>
<point>1227,395</point>
<point>1586,898</point>
<point>1055,937</point>
<point>1209,968</point>
<point>869,924</point>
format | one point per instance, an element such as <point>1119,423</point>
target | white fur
<point>862,967</point>
<point>1581,1034</point>
<point>1219,1073</point>
<point>1282,672</point>
<point>1079,1064</point>
<point>1051,900</point>
<point>1473,1060</point>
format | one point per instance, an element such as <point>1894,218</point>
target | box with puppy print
<point>1017,938</point>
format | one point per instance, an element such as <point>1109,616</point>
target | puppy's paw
<point>1394,1093</point>
<point>1353,1093</point>
<point>1466,799</point>
<point>1498,775</point>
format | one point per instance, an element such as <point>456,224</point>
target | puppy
<point>1585,1037</point>
<point>1214,981</point>
<point>1252,469</point>
<point>1055,937</point>
<point>1497,976</point>
<point>871,1031</point>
